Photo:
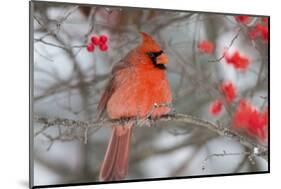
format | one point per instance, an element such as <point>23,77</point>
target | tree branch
<point>255,149</point>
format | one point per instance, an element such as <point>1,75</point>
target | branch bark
<point>254,148</point>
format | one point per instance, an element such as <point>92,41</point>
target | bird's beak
<point>162,59</point>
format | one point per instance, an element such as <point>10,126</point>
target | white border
<point>14,92</point>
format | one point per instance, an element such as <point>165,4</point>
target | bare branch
<point>254,148</point>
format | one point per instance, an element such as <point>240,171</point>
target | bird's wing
<point>110,88</point>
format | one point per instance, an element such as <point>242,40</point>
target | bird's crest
<point>148,43</point>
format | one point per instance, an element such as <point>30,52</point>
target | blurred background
<point>68,82</point>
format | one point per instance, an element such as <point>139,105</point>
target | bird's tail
<point>115,163</point>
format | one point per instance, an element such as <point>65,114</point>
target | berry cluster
<point>260,30</point>
<point>246,117</point>
<point>250,120</point>
<point>228,90</point>
<point>239,62</point>
<point>98,41</point>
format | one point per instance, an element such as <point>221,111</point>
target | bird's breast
<point>136,92</point>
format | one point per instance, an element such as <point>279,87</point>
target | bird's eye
<point>154,55</point>
<point>151,55</point>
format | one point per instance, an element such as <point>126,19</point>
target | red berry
<point>103,38</point>
<point>90,47</point>
<point>243,19</point>
<point>206,47</point>
<point>95,40</point>
<point>103,47</point>
<point>253,34</point>
<point>216,108</point>
<point>265,20</point>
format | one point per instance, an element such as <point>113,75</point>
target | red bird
<point>138,83</point>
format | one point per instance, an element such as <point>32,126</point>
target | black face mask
<point>153,56</point>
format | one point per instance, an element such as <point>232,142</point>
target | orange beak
<point>162,59</point>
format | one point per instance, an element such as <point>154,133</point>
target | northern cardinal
<point>138,83</point>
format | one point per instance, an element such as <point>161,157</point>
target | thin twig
<point>230,45</point>
<point>225,154</point>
